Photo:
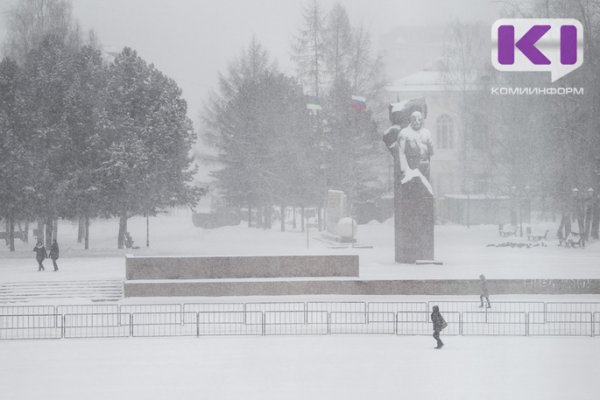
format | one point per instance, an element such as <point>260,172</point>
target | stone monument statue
<point>410,144</point>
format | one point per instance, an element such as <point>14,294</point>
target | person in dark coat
<point>40,254</point>
<point>438,324</point>
<point>484,292</point>
<point>54,253</point>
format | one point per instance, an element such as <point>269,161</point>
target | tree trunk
<point>596,218</point>
<point>564,228</point>
<point>294,218</point>
<point>259,217</point>
<point>302,218</point>
<point>268,217</point>
<point>86,228</point>
<point>122,230</point>
<point>49,231</point>
<point>587,222</point>
<point>55,229</point>
<point>11,232</point>
<point>320,219</point>
<point>581,225</point>
<point>40,230</point>
<point>513,212</point>
<point>249,216</point>
<point>26,232</point>
<point>80,229</point>
<point>282,218</point>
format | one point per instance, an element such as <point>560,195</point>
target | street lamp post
<point>516,194</point>
<point>588,211</point>
<point>579,214</point>
<point>519,195</point>
<point>468,209</point>
<point>528,200</point>
<point>520,207</point>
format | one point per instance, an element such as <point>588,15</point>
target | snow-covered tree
<point>352,144</point>
<point>338,43</point>
<point>335,61</point>
<point>29,22</point>
<point>309,48</point>
<point>259,124</point>
<point>15,162</point>
<point>147,164</point>
<point>48,71</point>
<point>87,121</point>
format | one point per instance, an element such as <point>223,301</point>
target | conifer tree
<point>48,71</point>
<point>15,162</point>
<point>309,48</point>
<point>147,165</point>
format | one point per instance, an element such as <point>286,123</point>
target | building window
<point>445,132</point>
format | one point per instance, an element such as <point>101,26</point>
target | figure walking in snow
<point>54,253</point>
<point>438,325</point>
<point>484,292</point>
<point>40,254</point>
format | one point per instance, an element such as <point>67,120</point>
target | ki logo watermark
<point>552,45</point>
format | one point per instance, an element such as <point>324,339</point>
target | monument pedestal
<point>414,220</point>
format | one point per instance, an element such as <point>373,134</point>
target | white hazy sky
<point>192,40</point>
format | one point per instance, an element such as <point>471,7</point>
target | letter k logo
<point>506,44</point>
<point>552,45</point>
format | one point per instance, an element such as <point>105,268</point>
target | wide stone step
<point>353,286</point>
<point>23,292</point>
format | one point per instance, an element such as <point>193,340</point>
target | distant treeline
<point>284,140</point>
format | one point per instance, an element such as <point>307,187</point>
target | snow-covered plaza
<point>464,251</point>
<point>301,367</point>
<point>327,367</point>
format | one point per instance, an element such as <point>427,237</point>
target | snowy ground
<point>463,251</point>
<point>332,367</point>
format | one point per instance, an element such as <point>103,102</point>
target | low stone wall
<point>241,267</point>
<point>358,287</point>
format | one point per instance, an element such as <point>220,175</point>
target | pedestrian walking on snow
<point>485,294</point>
<point>54,254</point>
<point>438,325</point>
<point>40,254</point>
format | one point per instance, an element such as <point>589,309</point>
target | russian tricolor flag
<point>359,103</point>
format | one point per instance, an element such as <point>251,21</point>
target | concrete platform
<point>222,267</point>
<point>341,286</point>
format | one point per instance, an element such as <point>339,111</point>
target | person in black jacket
<point>438,324</point>
<point>54,253</point>
<point>40,254</point>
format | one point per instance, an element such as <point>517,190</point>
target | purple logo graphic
<point>554,45</point>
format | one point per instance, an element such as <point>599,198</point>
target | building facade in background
<point>460,173</point>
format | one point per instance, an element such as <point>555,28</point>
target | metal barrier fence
<point>297,318</point>
<point>418,323</point>
<point>573,307</point>
<point>230,323</point>
<point>102,325</point>
<point>295,323</point>
<point>27,310</point>
<point>562,324</point>
<point>38,326</point>
<point>500,306</point>
<point>494,324</point>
